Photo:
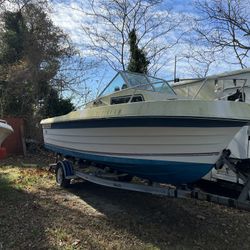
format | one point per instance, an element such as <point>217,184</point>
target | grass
<point>36,214</point>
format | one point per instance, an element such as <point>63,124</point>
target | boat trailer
<point>66,170</point>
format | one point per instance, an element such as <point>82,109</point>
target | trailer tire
<point>60,178</point>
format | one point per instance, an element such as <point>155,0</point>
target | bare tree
<point>225,24</point>
<point>75,78</point>
<point>198,59</point>
<point>111,21</point>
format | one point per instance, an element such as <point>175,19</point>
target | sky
<point>66,15</point>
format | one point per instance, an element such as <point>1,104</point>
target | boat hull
<point>155,170</point>
<point>165,150</point>
<point>5,131</point>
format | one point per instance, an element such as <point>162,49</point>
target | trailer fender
<point>67,168</point>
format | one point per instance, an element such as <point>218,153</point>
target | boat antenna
<point>175,64</point>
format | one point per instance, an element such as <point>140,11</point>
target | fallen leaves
<point>35,213</point>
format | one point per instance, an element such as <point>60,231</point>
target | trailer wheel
<point>60,178</point>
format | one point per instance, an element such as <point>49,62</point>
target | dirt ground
<point>36,214</point>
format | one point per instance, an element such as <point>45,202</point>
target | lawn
<point>36,214</point>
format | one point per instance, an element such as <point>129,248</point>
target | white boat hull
<point>134,146</point>
<point>167,143</point>
<point>5,131</point>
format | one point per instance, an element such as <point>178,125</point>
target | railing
<point>241,88</point>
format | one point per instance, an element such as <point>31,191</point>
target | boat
<point>234,86</point>
<point>5,131</point>
<point>139,126</point>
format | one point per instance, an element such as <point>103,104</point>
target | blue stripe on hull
<point>149,122</point>
<point>158,171</point>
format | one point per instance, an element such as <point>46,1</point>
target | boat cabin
<point>128,87</point>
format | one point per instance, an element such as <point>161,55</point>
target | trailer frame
<point>70,172</point>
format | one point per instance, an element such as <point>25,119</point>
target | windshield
<point>125,80</point>
<point>138,80</point>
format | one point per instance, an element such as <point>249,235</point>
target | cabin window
<point>137,98</point>
<point>125,99</point>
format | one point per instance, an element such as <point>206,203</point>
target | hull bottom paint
<point>158,171</point>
